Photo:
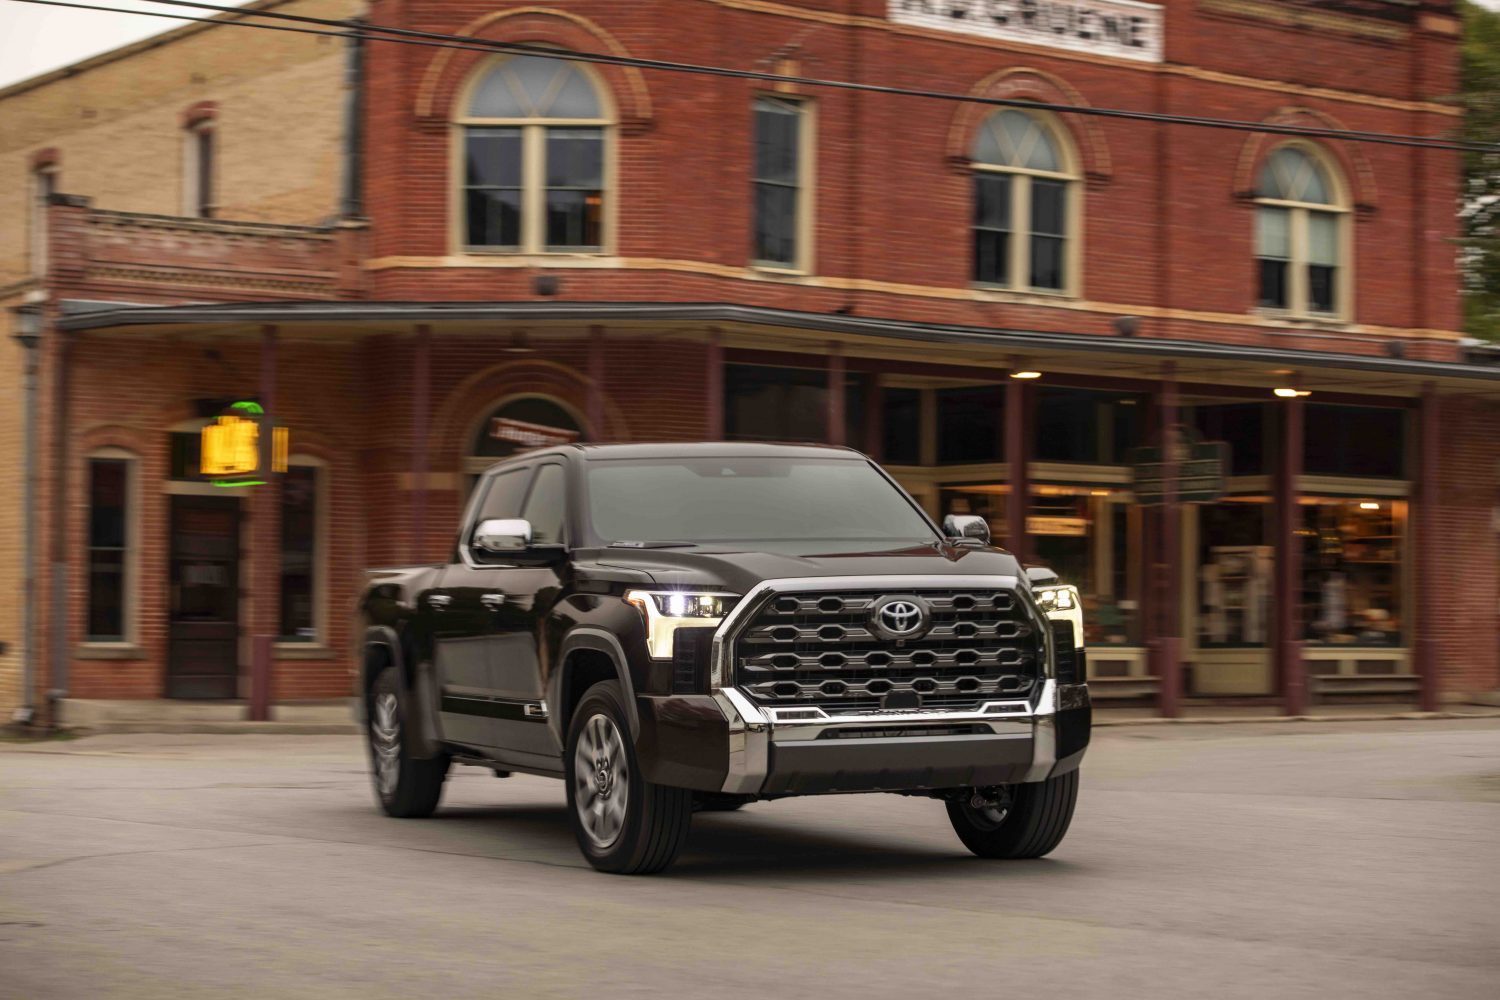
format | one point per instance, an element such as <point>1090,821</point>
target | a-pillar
<point>265,550</point>
<point>1017,434</point>
<point>1429,573</point>
<point>1291,677</point>
<point>1165,591</point>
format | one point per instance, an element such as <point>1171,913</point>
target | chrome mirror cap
<point>502,534</point>
<point>967,526</point>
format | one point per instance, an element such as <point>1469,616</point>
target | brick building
<point>441,245</point>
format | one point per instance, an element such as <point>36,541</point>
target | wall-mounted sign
<point>529,435</point>
<point>237,451</point>
<point>1057,527</point>
<point>1125,29</point>
<point>1200,468</point>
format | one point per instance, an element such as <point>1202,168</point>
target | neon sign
<point>238,452</point>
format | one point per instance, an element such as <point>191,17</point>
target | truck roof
<point>689,449</point>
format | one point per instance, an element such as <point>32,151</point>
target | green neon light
<point>239,482</point>
<point>247,406</point>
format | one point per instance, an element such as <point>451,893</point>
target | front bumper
<point>730,744</point>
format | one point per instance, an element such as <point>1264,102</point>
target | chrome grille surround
<point>808,644</point>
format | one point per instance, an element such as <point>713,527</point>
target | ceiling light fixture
<point>1026,374</point>
<point>1369,505</point>
<point>1287,392</point>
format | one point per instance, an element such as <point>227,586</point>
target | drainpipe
<point>58,544</point>
<point>29,336</point>
<point>351,202</point>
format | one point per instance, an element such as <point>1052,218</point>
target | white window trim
<point>533,172</point>
<point>807,186</point>
<point>130,569</point>
<point>1019,278</point>
<point>322,522</point>
<point>1299,254</point>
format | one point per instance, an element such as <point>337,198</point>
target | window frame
<point>322,523</point>
<point>42,184</point>
<point>130,551</point>
<point>1299,261</point>
<point>199,178</point>
<point>1021,231</point>
<point>806,185</point>
<point>533,235</point>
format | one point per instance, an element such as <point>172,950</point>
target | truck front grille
<point>823,649</point>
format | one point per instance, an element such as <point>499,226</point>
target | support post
<point>713,381</point>
<point>421,400</point>
<point>265,540</point>
<point>1017,453</point>
<point>1168,577</point>
<point>1426,649</point>
<point>595,414</point>
<point>874,420</point>
<point>836,402</point>
<point>1291,678</point>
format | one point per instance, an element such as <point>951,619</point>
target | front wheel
<point>624,823</point>
<point>407,787</point>
<point>1029,825</point>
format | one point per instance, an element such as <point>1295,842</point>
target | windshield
<point>749,499</point>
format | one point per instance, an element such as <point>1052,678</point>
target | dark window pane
<point>573,219</point>
<point>503,495</point>
<point>1243,426</point>
<point>775,404</point>
<point>299,517</point>
<point>205,173</point>
<point>575,188</point>
<point>992,229</point>
<point>1355,441</point>
<point>575,158</point>
<point>545,506</point>
<point>901,425</point>
<point>777,124</point>
<point>109,481</point>
<point>1320,285</point>
<point>494,218</point>
<point>1127,427</point>
<point>1068,425</point>
<point>969,423</point>
<point>1048,207</point>
<point>1046,262</point>
<point>775,223</point>
<point>492,157</point>
<point>856,398</point>
<point>777,180</point>
<point>992,201</point>
<point>991,257</point>
<point>1272,283</point>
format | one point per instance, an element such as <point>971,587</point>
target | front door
<point>203,626</point>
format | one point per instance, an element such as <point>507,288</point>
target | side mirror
<point>967,526</point>
<point>502,536</point>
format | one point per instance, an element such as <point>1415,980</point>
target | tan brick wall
<point>117,127</point>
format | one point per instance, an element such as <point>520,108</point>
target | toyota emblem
<point>899,617</point>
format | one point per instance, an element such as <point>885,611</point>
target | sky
<point>35,39</point>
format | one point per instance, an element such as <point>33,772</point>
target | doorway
<point>203,626</point>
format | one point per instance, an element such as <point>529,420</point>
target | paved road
<point>1267,861</point>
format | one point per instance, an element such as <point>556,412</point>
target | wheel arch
<point>383,648</point>
<point>586,656</point>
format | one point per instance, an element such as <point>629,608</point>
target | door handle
<point>439,602</point>
<point>493,601</point>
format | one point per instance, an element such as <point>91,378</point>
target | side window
<point>547,505</point>
<point>502,496</point>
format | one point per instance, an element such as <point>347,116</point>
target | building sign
<point>1057,527</point>
<point>238,452</point>
<point>529,435</point>
<point>1125,29</point>
<point>1201,468</point>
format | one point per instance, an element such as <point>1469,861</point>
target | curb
<point>1240,720</point>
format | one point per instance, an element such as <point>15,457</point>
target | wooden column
<point>265,547</point>
<point>836,401</point>
<point>421,400</point>
<point>1425,650</point>
<point>1017,454</point>
<point>713,381</point>
<point>595,413</point>
<point>1291,677</point>
<point>1167,586</point>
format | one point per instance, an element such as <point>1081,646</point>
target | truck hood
<point>738,570</point>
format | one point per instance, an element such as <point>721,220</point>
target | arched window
<point>535,136</point>
<point>1300,218</point>
<point>522,424</point>
<point>1023,216</point>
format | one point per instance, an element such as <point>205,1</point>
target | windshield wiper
<point>652,545</point>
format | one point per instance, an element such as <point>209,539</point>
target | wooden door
<point>203,625</point>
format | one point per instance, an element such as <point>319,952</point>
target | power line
<point>355,30</point>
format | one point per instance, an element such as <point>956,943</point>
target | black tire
<point>644,833</point>
<point>718,802</point>
<point>1034,825</point>
<point>417,784</point>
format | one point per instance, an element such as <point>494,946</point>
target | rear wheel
<point>1030,823</point>
<point>624,824</point>
<point>407,787</point>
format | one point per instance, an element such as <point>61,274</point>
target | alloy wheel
<point>601,781</point>
<point>385,741</point>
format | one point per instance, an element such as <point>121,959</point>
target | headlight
<point>1061,598</point>
<point>668,610</point>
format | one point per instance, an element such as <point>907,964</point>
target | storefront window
<point>969,424</point>
<point>299,551</point>
<point>764,403</point>
<point>901,426</point>
<point>1235,572</point>
<point>1085,534</point>
<point>1244,427</point>
<point>109,486</point>
<point>1086,425</point>
<point>1351,571</point>
<point>1355,441</point>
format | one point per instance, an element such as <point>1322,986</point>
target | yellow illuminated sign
<point>232,452</point>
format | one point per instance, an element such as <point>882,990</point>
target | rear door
<point>462,609</point>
